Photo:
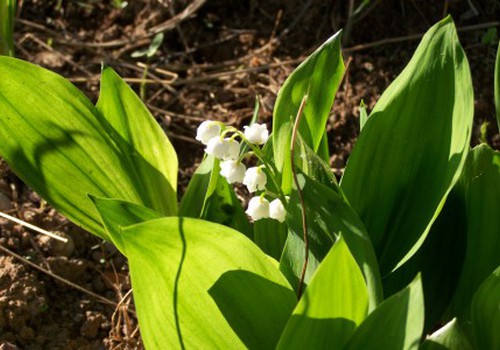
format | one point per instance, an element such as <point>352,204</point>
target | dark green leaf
<point>486,313</point>
<point>480,182</point>
<point>497,86</point>
<point>412,149</point>
<point>439,260</point>
<point>328,214</point>
<point>210,197</point>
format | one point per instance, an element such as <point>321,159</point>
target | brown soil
<point>264,41</point>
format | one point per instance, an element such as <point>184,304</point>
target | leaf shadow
<point>256,308</point>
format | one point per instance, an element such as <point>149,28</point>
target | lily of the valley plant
<point>409,240</point>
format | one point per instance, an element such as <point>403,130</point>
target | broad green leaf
<point>200,285</point>
<point>449,337</point>
<point>56,141</point>
<point>412,148</point>
<point>328,214</point>
<point>7,16</point>
<point>116,214</point>
<point>150,159</point>
<point>439,259</point>
<point>486,313</point>
<point>497,86</point>
<point>480,182</point>
<point>396,324</point>
<point>318,77</point>
<point>210,197</point>
<point>332,306</point>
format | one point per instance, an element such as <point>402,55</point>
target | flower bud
<point>258,208</point>
<point>255,179</point>
<point>256,133</point>
<point>232,170</point>
<point>277,210</point>
<point>207,130</point>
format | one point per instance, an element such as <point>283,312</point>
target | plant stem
<point>260,155</point>
<point>301,198</point>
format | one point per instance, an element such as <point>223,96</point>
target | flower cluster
<point>220,144</point>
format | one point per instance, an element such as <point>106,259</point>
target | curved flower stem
<point>260,155</point>
<point>301,198</point>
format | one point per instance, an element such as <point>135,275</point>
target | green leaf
<point>497,86</point>
<point>396,324</point>
<point>150,159</point>
<point>363,115</point>
<point>116,214</point>
<point>210,197</point>
<point>486,313</point>
<point>318,77</point>
<point>480,182</point>
<point>332,306</point>
<point>439,260</point>
<point>7,16</point>
<point>449,337</point>
<point>56,141</point>
<point>202,285</point>
<point>328,214</point>
<point>412,149</point>
<point>152,49</point>
<point>200,187</point>
<point>270,235</point>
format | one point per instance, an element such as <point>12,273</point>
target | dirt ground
<point>215,58</point>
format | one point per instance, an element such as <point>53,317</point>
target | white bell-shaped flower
<point>232,170</point>
<point>258,208</point>
<point>256,133</point>
<point>233,150</point>
<point>277,210</point>
<point>207,131</point>
<point>255,179</point>
<point>217,147</point>
<point>224,149</point>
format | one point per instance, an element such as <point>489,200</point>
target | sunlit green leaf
<point>200,285</point>
<point>151,161</point>
<point>57,142</point>
<point>363,115</point>
<point>332,306</point>
<point>396,324</point>
<point>318,77</point>
<point>449,337</point>
<point>486,313</point>
<point>412,148</point>
<point>116,213</point>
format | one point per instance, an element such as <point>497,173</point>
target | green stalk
<point>7,15</point>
